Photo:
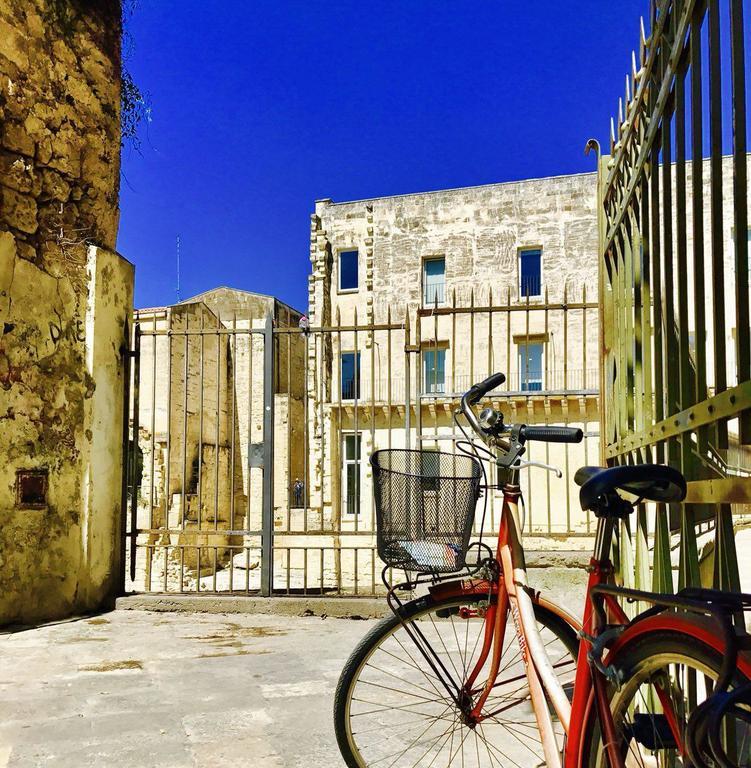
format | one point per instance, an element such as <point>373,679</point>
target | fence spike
<point>642,42</point>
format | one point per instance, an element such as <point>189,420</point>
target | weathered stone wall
<point>64,303</point>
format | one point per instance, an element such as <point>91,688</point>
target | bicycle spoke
<point>402,716</point>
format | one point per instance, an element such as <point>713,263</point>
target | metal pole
<point>267,524</point>
<point>126,355</point>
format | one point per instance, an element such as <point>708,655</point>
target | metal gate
<point>248,468</point>
<point>675,287</point>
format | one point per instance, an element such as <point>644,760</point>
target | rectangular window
<point>434,281</point>
<point>530,272</point>
<point>430,465</point>
<point>348,270</point>
<point>351,473</point>
<point>350,366</point>
<point>434,371</point>
<point>530,367</point>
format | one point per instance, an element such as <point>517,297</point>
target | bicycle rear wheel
<point>683,669</point>
<point>391,711</point>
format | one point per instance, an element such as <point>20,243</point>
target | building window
<point>434,371</point>
<point>350,365</point>
<point>348,270</point>
<point>351,472</point>
<point>430,465</point>
<point>434,281</point>
<point>530,272</point>
<point>530,367</point>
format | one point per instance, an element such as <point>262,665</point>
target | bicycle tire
<point>384,630</point>
<point>638,661</point>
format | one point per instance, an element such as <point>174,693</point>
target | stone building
<point>65,302</point>
<point>201,432</point>
<point>433,292</point>
<point>437,264</point>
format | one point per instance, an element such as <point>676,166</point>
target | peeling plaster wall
<point>65,297</point>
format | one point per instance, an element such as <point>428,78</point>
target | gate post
<point>267,514</point>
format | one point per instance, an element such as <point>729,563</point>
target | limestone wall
<point>65,300</point>
<point>479,231</point>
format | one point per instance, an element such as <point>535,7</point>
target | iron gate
<point>674,282</point>
<point>247,463</point>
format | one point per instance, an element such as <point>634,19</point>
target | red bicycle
<point>450,680</point>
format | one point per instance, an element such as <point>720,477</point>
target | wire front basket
<point>425,505</point>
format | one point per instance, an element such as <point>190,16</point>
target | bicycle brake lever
<point>548,467</point>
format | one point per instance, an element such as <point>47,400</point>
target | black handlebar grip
<point>476,391</point>
<point>554,434</point>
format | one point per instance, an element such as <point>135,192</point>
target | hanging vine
<point>66,16</point>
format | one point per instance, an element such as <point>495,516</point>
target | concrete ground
<point>133,688</point>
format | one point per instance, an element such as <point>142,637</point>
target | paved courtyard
<point>133,688</point>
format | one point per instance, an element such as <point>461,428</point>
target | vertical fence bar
<point>716,216</point>
<point>126,356</point>
<point>267,547</point>
<point>697,216</point>
<point>740,209</point>
<point>136,428</point>
<point>217,425</point>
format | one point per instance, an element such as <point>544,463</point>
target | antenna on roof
<point>177,289</point>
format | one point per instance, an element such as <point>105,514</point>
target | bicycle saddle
<point>654,482</point>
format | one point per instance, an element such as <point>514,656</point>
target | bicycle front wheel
<point>391,710</point>
<point>678,670</point>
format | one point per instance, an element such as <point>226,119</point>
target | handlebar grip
<point>476,391</point>
<point>554,434</point>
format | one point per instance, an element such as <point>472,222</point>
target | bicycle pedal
<point>652,732</point>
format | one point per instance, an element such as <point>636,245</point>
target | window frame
<point>523,345</point>
<point>432,349</point>
<point>339,252</point>
<point>345,463</point>
<point>357,380</point>
<point>424,286</point>
<point>429,483</point>
<point>520,251</point>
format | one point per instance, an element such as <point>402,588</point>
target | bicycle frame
<point>514,598</point>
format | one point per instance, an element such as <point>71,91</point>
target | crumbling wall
<point>65,297</point>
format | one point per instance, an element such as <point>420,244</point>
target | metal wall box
<point>31,488</point>
<point>255,455</point>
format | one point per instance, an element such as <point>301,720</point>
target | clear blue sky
<point>260,107</point>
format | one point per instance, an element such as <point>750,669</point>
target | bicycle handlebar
<point>553,434</point>
<point>477,391</point>
<point>474,393</point>
<point>540,433</point>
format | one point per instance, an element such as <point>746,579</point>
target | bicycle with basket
<point>478,669</point>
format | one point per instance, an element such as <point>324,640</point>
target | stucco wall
<point>65,298</point>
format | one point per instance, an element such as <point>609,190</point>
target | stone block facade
<point>482,320</point>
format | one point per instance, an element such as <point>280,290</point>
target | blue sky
<point>260,107</point>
